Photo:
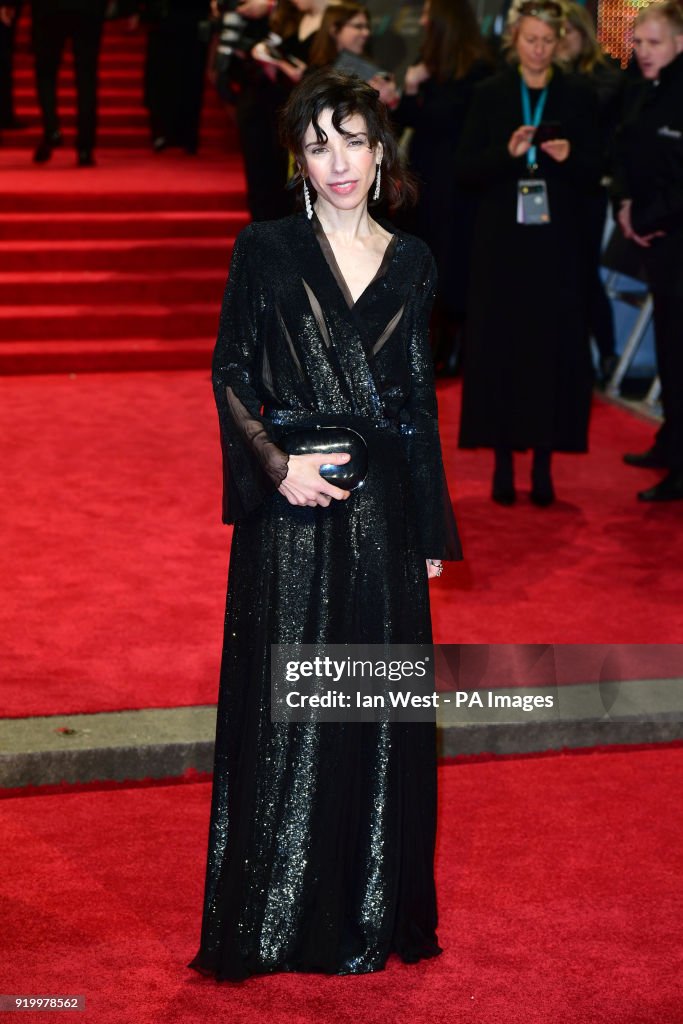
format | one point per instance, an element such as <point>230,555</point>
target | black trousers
<point>174,80</point>
<point>51,30</point>
<point>668,319</point>
<point>7,34</point>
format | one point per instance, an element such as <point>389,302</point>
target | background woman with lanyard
<point>530,147</point>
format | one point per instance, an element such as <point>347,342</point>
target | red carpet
<point>114,559</point>
<point>559,885</point>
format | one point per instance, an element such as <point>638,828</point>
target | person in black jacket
<point>527,366</point>
<point>436,98</point>
<point>55,22</point>
<point>175,67</point>
<point>649,195</point>
<point>581,52</point>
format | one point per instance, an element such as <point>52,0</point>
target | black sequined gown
<point>322,836</point>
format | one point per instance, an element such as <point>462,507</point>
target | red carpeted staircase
<point>122,266</point>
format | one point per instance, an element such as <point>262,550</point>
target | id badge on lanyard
<point>533,207</point>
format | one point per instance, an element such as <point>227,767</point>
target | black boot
<point>668,489</point>
<point>542,490</point>
<point>651,459</point>
<point>503,490</point>
<point>43,150</point>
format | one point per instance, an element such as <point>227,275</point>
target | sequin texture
<point>321,837</point>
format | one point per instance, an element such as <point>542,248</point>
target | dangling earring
<point>307,201</point>
<point>378,183</point>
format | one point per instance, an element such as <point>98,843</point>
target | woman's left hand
<point>558,149</point>
<point>434,567</point>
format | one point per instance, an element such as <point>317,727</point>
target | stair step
<point>134,116</point>
<point>69,323</point>
<point>132,224</point>
<point>24,75</point>
<point>105,287</point>
<point>116,254</point>
<point>96,356</point>
<point>123,137</point>
<point>54,192</point>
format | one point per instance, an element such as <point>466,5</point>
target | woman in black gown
<point>322,836</point>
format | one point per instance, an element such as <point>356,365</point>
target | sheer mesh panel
<point>316,309</point>
<point>273,459</point>
<point>388,331</point>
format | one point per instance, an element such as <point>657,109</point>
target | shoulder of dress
<point>268,231</point>
<point>416,248</point>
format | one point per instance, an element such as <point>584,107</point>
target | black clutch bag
<point>331,441</point>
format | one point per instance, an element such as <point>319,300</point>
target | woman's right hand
<point>520,140</point>
<point>304,485</point>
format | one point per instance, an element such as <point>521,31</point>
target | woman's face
<point>535,44</point>
<point>353,35</point>
<point>342,170</point>
<point>655,45</point>
<point>304,6</point>
<point>571,43</point>
<point>424,17</point>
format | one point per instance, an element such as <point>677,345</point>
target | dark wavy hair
<point>344,95</point>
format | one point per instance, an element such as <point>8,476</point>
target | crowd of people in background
<point>518,146</point>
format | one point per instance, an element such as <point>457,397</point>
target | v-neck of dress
<point>335,269</point>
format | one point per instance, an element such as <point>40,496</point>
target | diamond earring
<point>307,201</point>
<point>378,183</point>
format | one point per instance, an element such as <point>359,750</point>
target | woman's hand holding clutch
<point>304,485</point>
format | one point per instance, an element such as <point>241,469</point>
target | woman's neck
<point>535,79</point>
<point>346,224</point>
<point>311,21</point>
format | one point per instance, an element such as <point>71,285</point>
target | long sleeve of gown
<point>253,466</point>
<point>420,428</point>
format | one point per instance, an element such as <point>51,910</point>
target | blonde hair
<point>551,12</point>
<point>670,11</point>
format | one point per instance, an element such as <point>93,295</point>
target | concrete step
<point>168,742</point>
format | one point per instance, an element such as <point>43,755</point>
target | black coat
<point>527,361</point>
<point>649,157</point>
<point>444,213</point>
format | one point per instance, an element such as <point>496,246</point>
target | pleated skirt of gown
<point>321,840</point>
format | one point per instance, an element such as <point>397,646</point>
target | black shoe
<point>668,489</point>
<point>43,150</point>
<point>504,495</point>
<point>543,494</point>
<point>85,158</point>
<point>651,459</point>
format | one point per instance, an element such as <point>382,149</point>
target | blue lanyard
<point>534,119</point>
